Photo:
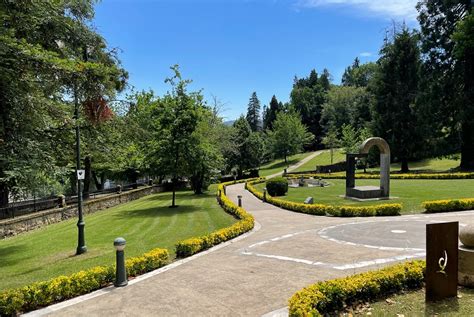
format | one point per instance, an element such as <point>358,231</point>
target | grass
<point>322,159</point>
<point>279,165</point>
<point>146,223</point>
<point>427,165</point>
<point>411,193</point>
<point>413,304</point>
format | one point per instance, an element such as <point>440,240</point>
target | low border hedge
<point>327,297</point>
<point>41,294</point>
<point>322,210</point>
<point>446,205</point>
<point>392,176</point>
<point>246,223</point>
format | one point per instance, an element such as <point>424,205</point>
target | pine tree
<point>253,113</point>
<point>448,75</point>
<point>395,86</point>
<point>271,112</point>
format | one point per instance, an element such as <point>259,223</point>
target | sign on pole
<point>81,174</point>
<point>441,260</point>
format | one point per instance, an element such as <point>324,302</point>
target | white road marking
<point>398,231</point>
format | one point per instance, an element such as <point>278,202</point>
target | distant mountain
<point>229,123</point>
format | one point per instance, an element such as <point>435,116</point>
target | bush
<point>42,294</point>
<point>322,210</point>
<point>327,297</point>
<point>246,222</point>
<point>392,176</point>
<point>448,205</point>
<point>277,186</point>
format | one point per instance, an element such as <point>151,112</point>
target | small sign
<point>441,260</point>
<point>81,174</point>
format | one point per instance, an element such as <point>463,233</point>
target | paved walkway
<point>295,166</point>
<point>257,274</point>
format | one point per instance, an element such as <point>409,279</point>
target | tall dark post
<point>81,244</point>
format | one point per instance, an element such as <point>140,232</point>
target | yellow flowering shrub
<point>327,297</point>
<point>246,222</point>
<point>448,205</point>
<point>342,175</point>
<point>322,210</point>
<point>40,294</point>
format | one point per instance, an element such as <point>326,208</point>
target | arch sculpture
<point>369,192</point>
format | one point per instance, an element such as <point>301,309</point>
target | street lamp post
<point>81,244</point>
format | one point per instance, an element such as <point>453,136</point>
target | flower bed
<point>448,205</point>
<point>322,210</point>
<point>42,294</point>
<point>392,176</point>
<point>327,297</point>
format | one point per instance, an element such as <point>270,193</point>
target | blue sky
<point>230,48</point>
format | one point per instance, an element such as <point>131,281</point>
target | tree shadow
<point>6,258</point>
<point>153,212</point>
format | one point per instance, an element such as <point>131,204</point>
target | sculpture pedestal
<point>364,192</point>
<point>466,267</point>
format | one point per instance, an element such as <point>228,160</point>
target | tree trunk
<point>467,125</point>
<point>467,146</point>
<point>173,201</point>
<point>404,168</point>
<point>87,177</point>
<point>4,194</point>
<point>286,161</point>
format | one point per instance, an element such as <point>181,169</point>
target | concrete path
<point>257,274</point>
<point>295,166</point>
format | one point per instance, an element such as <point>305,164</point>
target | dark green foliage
<point>277,186</point>
<point>448,76</point>
<point>395,87</point>
<point>253,113</point>
<point>358,75</point>
<point>307,98</point>
<point>270,113</point>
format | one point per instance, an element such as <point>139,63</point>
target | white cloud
<point>389,8</point>
<point>365,54</point>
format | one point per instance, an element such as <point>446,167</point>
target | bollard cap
<point>239,196</point>
<point>119,244</point>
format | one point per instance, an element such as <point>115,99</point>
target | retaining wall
<point>11,227</point>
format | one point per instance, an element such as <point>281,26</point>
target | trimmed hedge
<point>42,294</point>
<point>277,186</point>
<point>392,176</point>
<point>327,297</point>
<point>194,245</point>
<point>448,205</point>
<point>322,210</point>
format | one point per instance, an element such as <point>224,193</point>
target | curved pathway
<point>295,166</point>
<point>257,274</point>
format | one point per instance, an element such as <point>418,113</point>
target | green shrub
<point>322,210</point>
<point>448,205</point>
<point>246,222</point>
<point>277,186</point>
<point>41,294</point>
<point>324,298</point>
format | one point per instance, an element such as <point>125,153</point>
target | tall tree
<point>253,113</point>
<point>358,75</point>
<point>177,119</point>
<point>270,114</point>
<point>48,52</point>
<point>448,74</point>
<point>307,97</point>
<point>289,135</point>
<point>395,88</point>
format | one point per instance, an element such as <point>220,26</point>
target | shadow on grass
<point>180,195</point>
<point>162,211</point>
<point>6,258</point>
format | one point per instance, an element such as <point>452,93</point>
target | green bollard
<point>240,200</point>
<point>120,271</point>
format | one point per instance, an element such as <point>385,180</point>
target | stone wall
<point>11,227</point>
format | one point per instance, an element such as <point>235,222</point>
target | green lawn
<point>322,159</point>
<point>413,304</point>
<point>411,193</point>
<point>145,223</point>
<point>279,165</point>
